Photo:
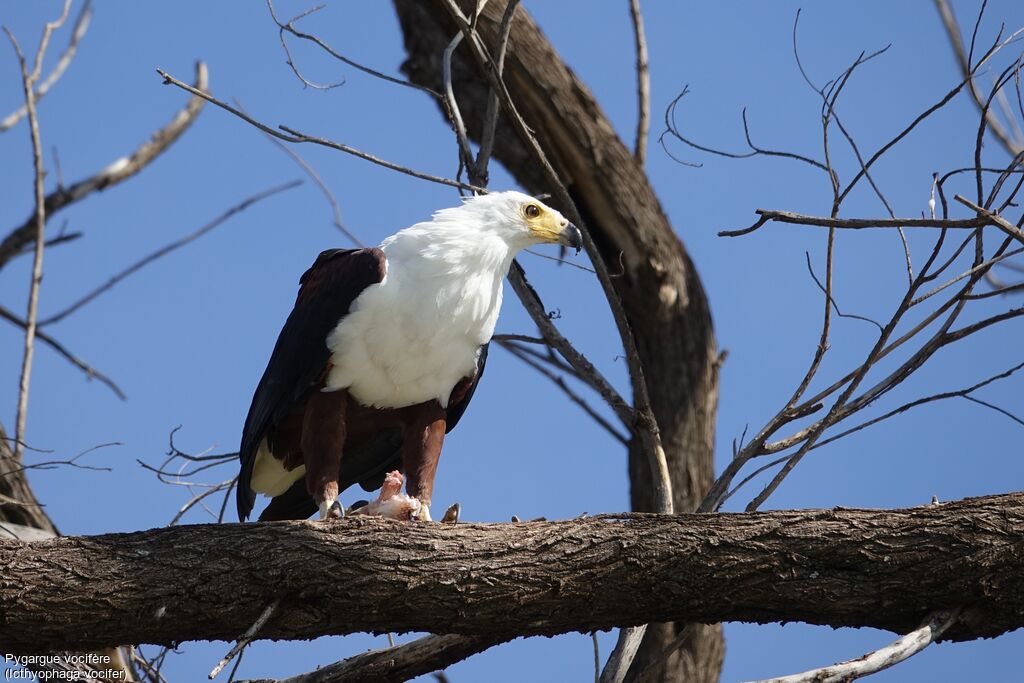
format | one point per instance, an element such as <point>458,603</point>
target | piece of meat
<point>391,502</point>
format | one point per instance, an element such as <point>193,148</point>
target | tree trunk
<point>660,289</point>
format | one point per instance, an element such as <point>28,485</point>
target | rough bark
<point>22,517</point>
<point>880,568</point>
<point>660,289</point>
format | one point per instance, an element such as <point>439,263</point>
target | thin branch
<point>491,113</point>
<point>290,28</point>
<point>621,658</point>
<point>318,181</point>
<point>560,382</point>
<point>44,42</point>
<point>672,128</point>
<point>583,367</point>
<point>399,662</point>
<point>993,218</point>
<point>116,172</point>
<point>880,659</point>
<point>246,638</point>
<point>961,393</point>
<point>562,261</point>
<point>810,269</point>
<point>643,83</point>
<point>28,86</point>
<point>295,136</point>
<point>90,372</point>
<point>766,215</point>
<point>288,53</point>
<point>69,462</point>
<point>953,31</point>
<point>465,151</point>
<point>77,33</point>
<point>167,249</point>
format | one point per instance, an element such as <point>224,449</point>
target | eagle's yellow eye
<point>531,210</point>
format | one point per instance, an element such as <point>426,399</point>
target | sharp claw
<point>332,511</point>
<point>422,515</point>
<point>356,506</point>
<point>451,515</point>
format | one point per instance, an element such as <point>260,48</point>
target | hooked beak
<point>571,237</point>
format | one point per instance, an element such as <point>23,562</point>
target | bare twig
<point>121,169</point>
<point>319,182</point>
<point>290,28</point>
<point>68,462</point>
<point>994,218</point>
<point>882,658</point>
<point>643,83</point>
<point>835,305</point>
<point>77,33</point>
<point>961,393</point>
<point>491,113</point>
<point>28,85</point>
<point>167,249</point>
<point>621,658</point>
<point>246,638</point>
<point>400,662</point>
<point>560,382</point>
<point>766,215</point>
<point>295,136</point>
<point>288,53</point>
<point>583,367</point>
<point>672,129</point>
<point>949,21</point>
<point>562,261</point>
<point>465,151</point>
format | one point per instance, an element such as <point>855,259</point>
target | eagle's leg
<point>323,439</point>
<point>421,450</point>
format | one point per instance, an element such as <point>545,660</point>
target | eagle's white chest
<point>412,337</point>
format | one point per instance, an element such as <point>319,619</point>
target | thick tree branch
<point>880,568</point>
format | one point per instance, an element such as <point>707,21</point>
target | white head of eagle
<point>381,355</point>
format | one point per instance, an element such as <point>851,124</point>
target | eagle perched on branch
<point>381,355</point>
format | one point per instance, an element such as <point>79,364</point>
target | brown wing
<point>326,292</point>
<point>368,464</point>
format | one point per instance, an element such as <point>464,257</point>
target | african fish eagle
<point>381,355</point>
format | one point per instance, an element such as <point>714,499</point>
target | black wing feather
<point>326,292</point>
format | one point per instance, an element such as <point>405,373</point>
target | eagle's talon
<point>451,515</point>
<point>333,510</point>
<point>422,514</point>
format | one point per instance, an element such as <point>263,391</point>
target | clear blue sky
<point>188,337</point>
